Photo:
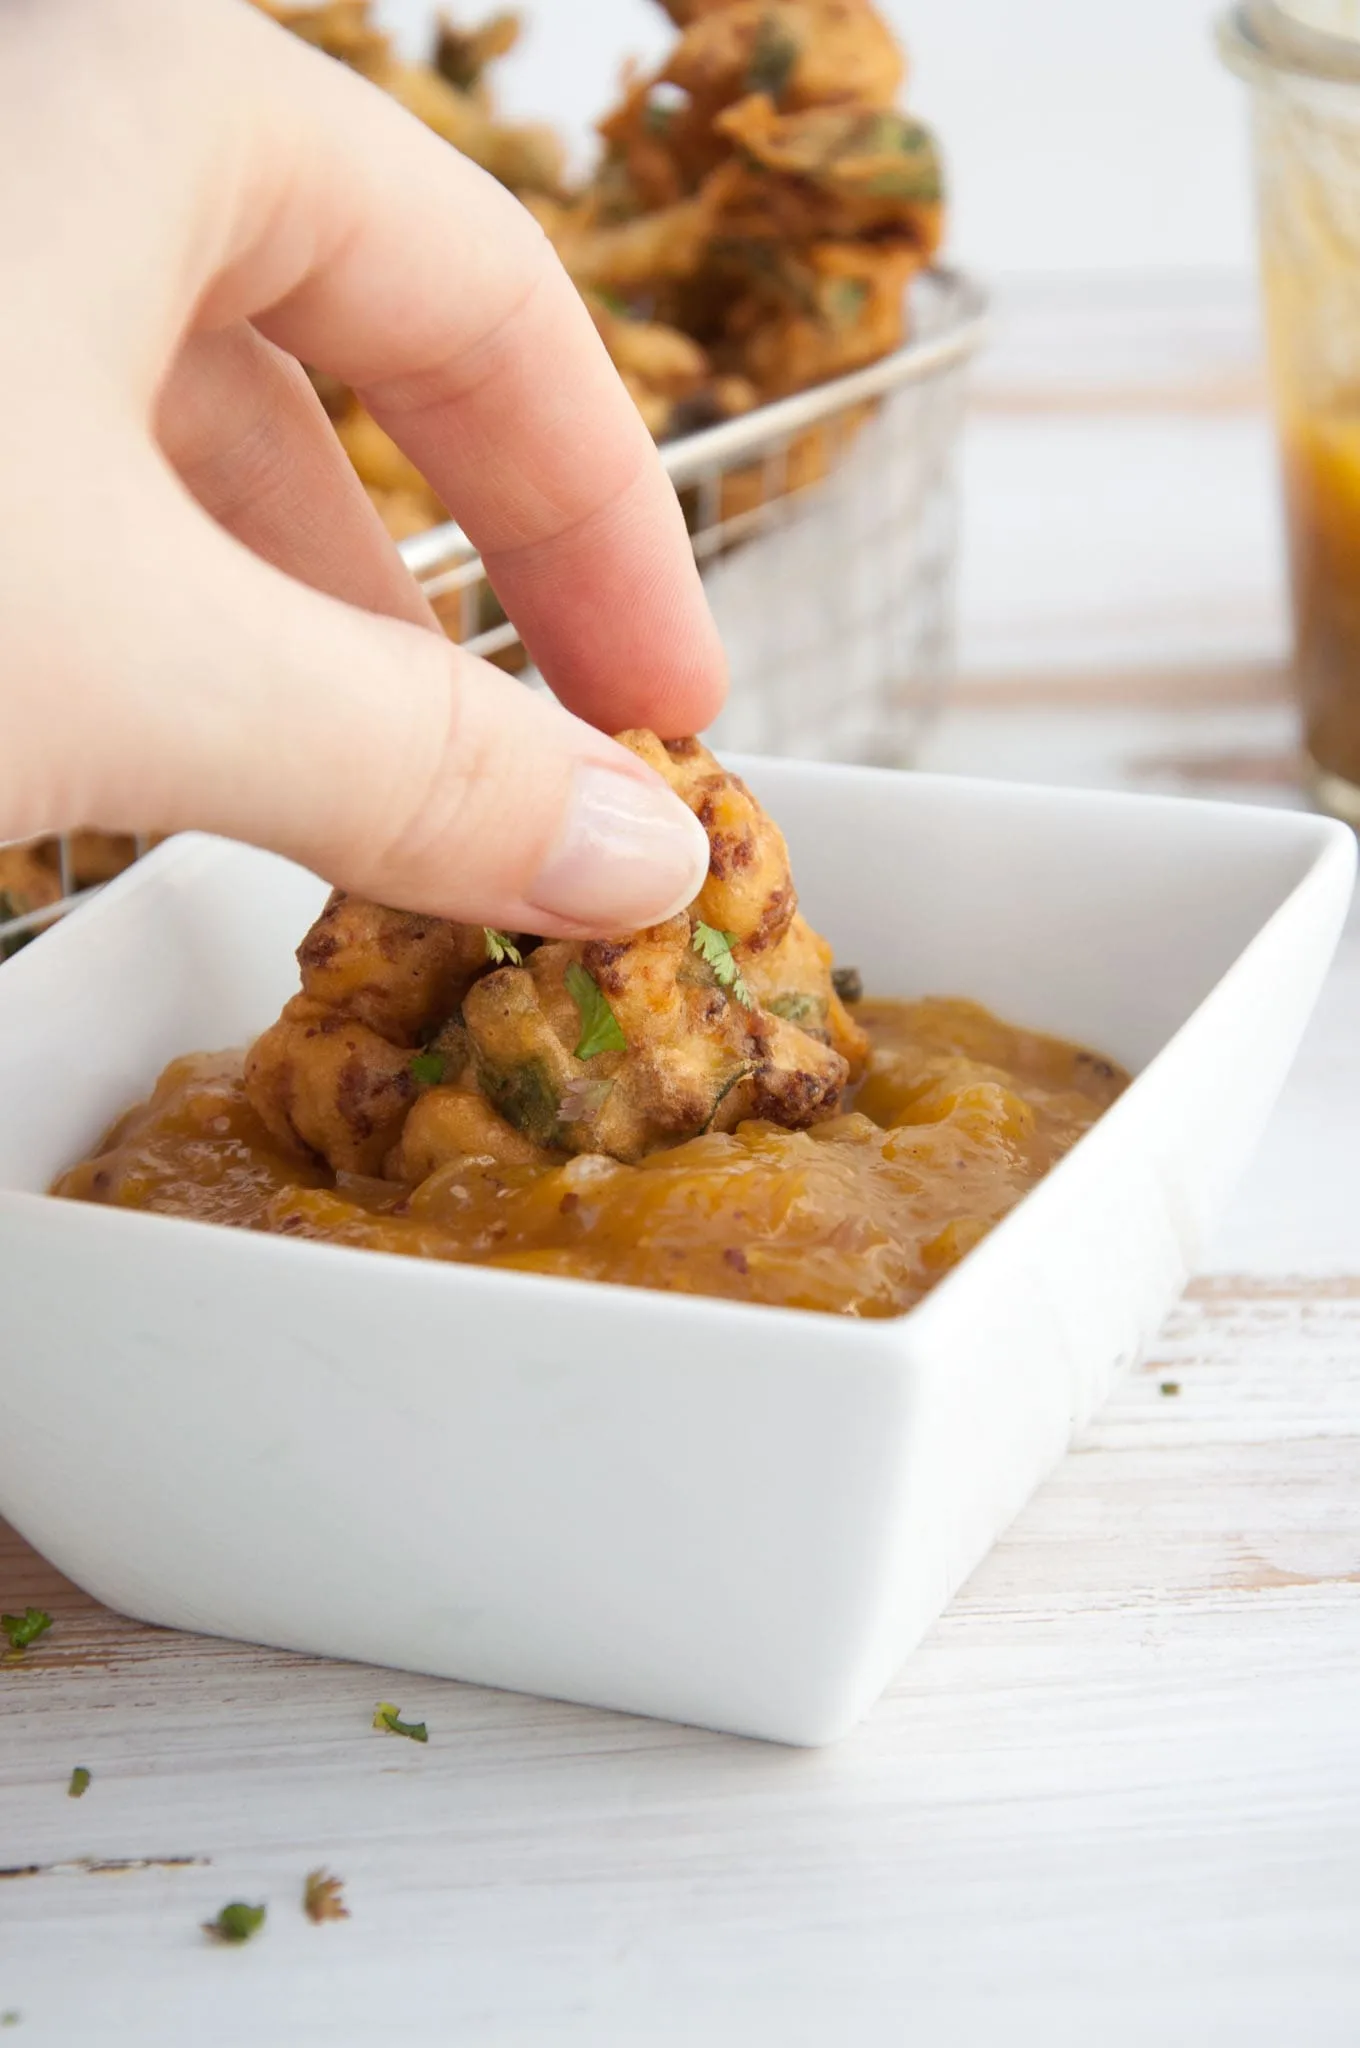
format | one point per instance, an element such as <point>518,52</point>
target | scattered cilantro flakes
<point>10,2018</point>
<point>80,1783</point>
<point>385,1715</point>
<point>600,1028</point>
<point>322,1897</point>
<point>23,1629</point>
<point>427,1068</point>
<point>501,949</point>
<point>235,1923</point>
<point>1171,1386</point>
<point>715,948</point>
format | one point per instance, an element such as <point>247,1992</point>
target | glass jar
<point>1302,60</point>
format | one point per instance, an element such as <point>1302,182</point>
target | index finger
<point>396,264</point>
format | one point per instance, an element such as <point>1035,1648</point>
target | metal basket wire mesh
<point>824,525</point>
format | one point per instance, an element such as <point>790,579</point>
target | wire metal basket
<point>825,527</point>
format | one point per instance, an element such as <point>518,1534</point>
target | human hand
<point>202,621</point>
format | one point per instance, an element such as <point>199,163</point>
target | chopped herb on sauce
<point>427,1068</point>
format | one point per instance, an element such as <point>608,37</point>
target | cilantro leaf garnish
<point>80,1783</point>
<point>322,1897</point>
<point>427,1068</point>
<point>600,1028</point>
<point>715,948</point>
<point>501,948</point>
<point>235,1923</point>
<point>385,1715</point>
<point>23,1629</point>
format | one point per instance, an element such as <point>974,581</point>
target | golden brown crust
<point>447,1124</point>
<point>399,973</point>
<point>328,1087</point>
<point>749,891</point>
<point>406,1042</point>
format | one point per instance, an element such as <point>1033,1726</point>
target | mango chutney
<point>958,1115</point>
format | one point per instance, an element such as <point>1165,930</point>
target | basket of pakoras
<point>756,246</point>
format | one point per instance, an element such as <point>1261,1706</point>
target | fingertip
<point>628,854</point>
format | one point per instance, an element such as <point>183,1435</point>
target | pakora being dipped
<point>725,1012</point>
<point>708,1106</point>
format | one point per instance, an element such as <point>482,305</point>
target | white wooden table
<point>1113,1800</point>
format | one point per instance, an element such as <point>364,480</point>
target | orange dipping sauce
<point>957,1117</point>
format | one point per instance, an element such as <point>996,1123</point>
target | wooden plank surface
<point>1115,1797</point>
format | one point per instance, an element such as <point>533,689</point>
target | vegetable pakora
<point>413,1040</point>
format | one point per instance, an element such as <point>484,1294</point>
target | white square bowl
<point>737,1516</point>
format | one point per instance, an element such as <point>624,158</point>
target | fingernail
<point>629,854</point>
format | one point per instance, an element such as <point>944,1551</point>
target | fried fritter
<point>409,1047</point>
<point>831,174</point>
<point>329,1088</point>
<point>749,891</point>
<point>802,53</point>
<point>395,971</point>
<point>333,1078</point>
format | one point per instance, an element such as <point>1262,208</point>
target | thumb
<point>232,699</point>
